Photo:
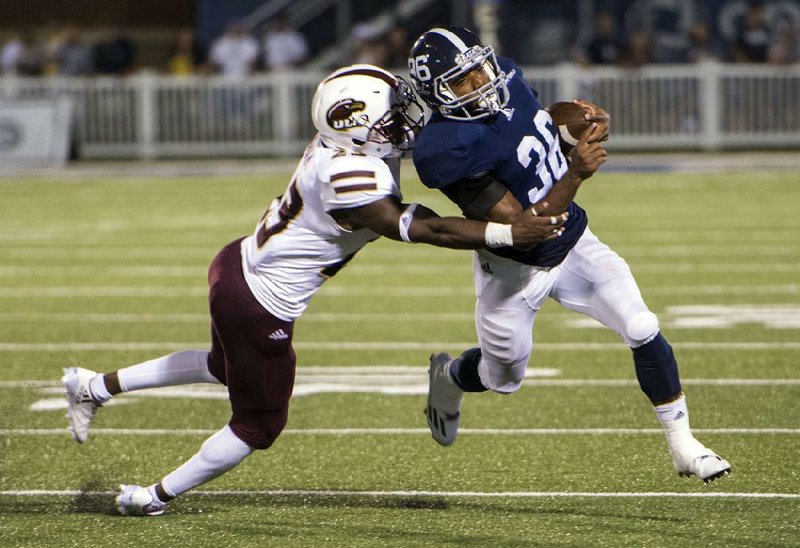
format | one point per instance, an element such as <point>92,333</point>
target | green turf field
<point>107,272</point>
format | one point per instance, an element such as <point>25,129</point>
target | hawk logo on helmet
<point>342,114</point>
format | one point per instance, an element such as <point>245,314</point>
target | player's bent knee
<point>259,428</point>
<point>502,344</point>
<point>502,379</point>
<point>642,327</point>
<point>506,350</point>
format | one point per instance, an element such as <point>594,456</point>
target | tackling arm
<point>424,225</point>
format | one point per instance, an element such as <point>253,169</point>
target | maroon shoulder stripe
<point>352,174</point>
<point>354,188</point>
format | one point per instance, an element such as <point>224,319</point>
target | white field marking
<point>716,316</point>
<point>674,317</point>
<point>407,431</point>
<point>103,270</point>
<point>408,494</point>
<point>335,291</point>
<point>199,271</point>
<point>541,376</point>
<point>414,372</point>
<point>58,404</point>
<point>383,345</point>
<point>726,316</point>
<point>191,317</point>
<point>111,252</point>
<point>100,249</point>
<point>388,380</point>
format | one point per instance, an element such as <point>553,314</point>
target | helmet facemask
<point>482,102</point>
<point>401,123</point>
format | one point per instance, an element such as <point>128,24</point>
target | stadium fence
<point>708,106</point>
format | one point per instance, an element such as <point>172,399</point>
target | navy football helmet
<point>443,56</point>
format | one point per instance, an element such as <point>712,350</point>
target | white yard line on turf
<point>128,271</point>
<point>437,494</point>
<point>381,345</point>
<point>315,373</point>
<point>405,431</point>
<point>416,291</point>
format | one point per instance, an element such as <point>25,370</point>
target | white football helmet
<point>365,109</point>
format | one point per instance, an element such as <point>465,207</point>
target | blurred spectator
<point>187,56</point>
<point>23,56</point>
<point>397,47</point>
<point>9,55</point>
<point>606,47</point>
<point>786,48</point>
<point>368,46</point>
<point>234,54</point>
<point>115,54</point>
<point>637,52</point>
<point>73,57</point>
<point>284,46</point>
<point>751,44</point>
<point>701,48</point>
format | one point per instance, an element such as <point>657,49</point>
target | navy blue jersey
<point>519,147</point>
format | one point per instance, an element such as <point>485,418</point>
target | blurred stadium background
<point>148,79</point>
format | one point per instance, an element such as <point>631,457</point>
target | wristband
<point>498,235</point>
<point>405,222</point>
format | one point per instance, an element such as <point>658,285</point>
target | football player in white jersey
<point>344,194</point>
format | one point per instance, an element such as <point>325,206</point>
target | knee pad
<point>641,328</point>
<point>501,340</point>
<point>506,352</point>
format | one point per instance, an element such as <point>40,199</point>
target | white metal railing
<point>708,107</point>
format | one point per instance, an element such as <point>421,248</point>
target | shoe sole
<point>709,479</point>
<point>437,421</point>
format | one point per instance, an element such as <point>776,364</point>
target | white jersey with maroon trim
<point>297,245</point>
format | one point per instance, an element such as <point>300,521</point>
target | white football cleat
<point>135,500</point>
<point>80,405</point>
<point>701,462</point>
<point>444,400</point>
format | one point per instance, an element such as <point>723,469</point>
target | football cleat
<point>444,400</point>
<point>134,500</point>
<point>80,405</point>
<point>701,462</point>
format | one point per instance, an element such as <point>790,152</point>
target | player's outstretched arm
<point>417,223</point>
<point>587,157</point>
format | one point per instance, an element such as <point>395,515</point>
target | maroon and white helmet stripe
<point>386,77</point>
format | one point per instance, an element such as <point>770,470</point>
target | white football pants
<point>592,280</point>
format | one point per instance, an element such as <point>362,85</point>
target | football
<point>569,118</point>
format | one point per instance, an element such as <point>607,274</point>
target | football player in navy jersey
<point>494,151</point>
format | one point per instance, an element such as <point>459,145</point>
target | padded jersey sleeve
<point>451,151</point>
<point>353,181</point>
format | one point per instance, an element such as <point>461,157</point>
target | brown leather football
<point>569,119</point>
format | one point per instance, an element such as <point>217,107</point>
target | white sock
<point>674,417</point>
<point>154,494</point>
<point>98,390</point>
<point>184,367</point>
<point>218,454</point>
